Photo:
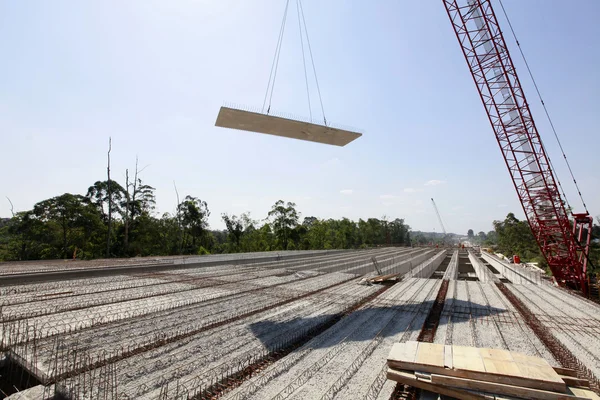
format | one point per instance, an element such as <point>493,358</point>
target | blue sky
<point>152,74</point>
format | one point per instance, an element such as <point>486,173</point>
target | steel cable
<point>547,115</point>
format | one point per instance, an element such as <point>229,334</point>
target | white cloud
<point>434,182</point>
<point>412,190</point>
<point>347,191</point>
<point>387,196</point>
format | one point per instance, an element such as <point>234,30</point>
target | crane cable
<point>304,58</point>
<point>548,116</point>
<point>553,130</point>
<point>275,63</point>
<point>313,62</point>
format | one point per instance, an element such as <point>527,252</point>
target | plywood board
<point>538,372</point>
<point>467,358</point>
<point>430,354</point>
<point>273,125</point>
<point>501,367</point>
<point>404,352</point>
<point>500,388</point>
<point>525,359</point>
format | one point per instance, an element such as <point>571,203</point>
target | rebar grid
<point>236,379</point>
<point>401,391</point>
<point>219,374</point>
<point>560,352</point>
<point>28,335</point>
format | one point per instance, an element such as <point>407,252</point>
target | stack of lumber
<point>478,373</point>
<point>383,278</point>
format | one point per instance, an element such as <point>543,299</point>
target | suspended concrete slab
<point>273,125</point>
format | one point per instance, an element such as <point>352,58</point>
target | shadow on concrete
<point>364,324</point>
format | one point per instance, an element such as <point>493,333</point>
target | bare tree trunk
<point>109,200</point>
<point>180,239</point>
<point>126,243</point>
<point>23,245</point>
<point>135,181</point>
<point>12,208</point>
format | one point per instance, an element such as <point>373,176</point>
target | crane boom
<point>493,71</point>
<point>439,216</point>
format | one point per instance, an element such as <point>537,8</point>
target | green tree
<point>237,228</point>
<point>194,215</point>
<point>284,218</point>
<point>70,221</point>
<point>481,237</point>
<point>399,231</point>
<point>470,234</point>
<point>515,237</point>
<point>98,194</point>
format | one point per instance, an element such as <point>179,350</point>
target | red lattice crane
<point>487,55</point>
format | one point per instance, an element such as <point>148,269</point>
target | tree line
<point>114,220</point>
<point>513,236</point>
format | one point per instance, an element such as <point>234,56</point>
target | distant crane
<point>439,219</point>
<point>439,216</point>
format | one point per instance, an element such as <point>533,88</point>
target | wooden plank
<point>430,354</point>
<point>482,376</point>
<point>584,393</point>
<point>408,378</point>
<point>539,372</point>
<point>566,371</point>
<point>468,363</point>
<point>496,354</point>
<point>575,382</point>
<point>404,352</point>
<point>467,358</point>
<point>499,361</point>
<point>448,357</point>
<point>525,359</point>
<point>501,367</point>
<point>500,388</point>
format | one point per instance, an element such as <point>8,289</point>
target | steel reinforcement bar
<point>234,380</point>
<point>160,342</point>
<point>426,335</point>
<point>560,352</point>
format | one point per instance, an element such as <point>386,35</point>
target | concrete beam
<point>482,271</point>
<point>451,273</point>
<point>32,277</point>
<point>513,272</point>
<point>273,125</point>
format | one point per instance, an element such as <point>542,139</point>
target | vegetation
<point>513,236</point>
<point>76,226</point>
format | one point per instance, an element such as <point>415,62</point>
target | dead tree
<point>126,240</point>
<point>109,200</point>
